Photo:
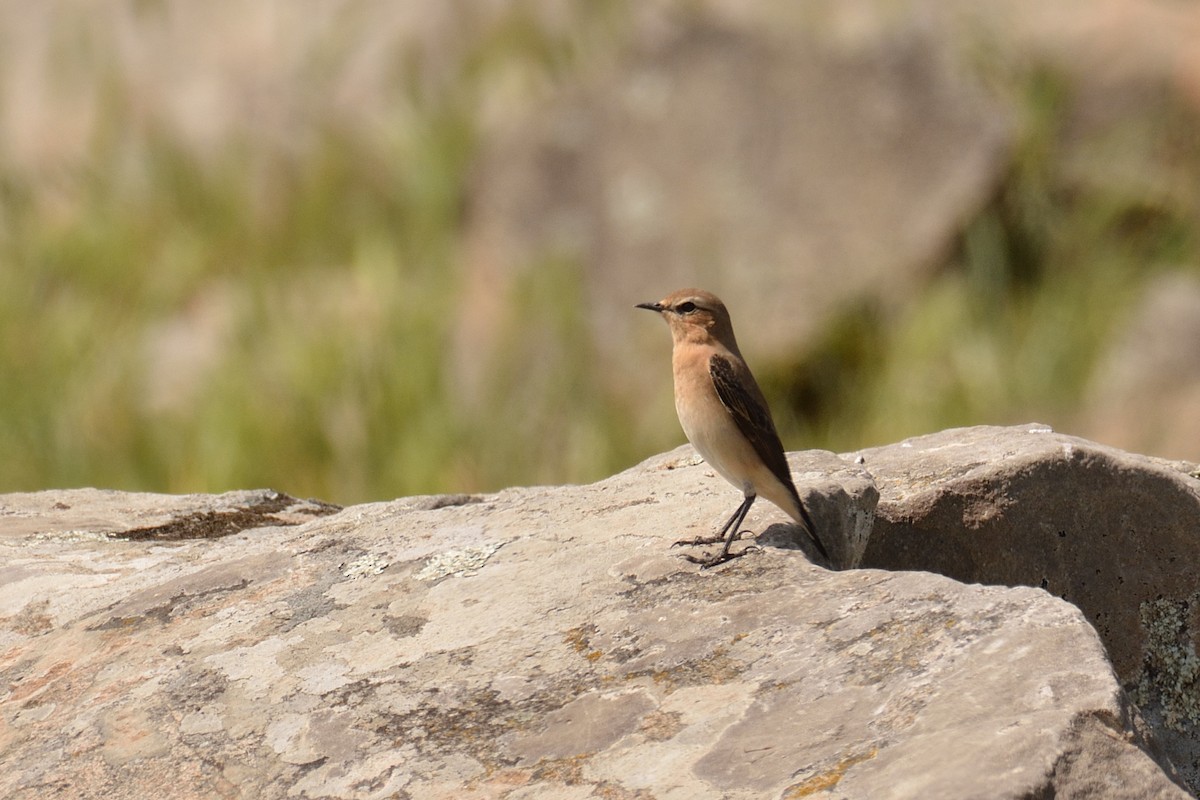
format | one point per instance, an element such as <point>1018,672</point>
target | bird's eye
<point>686,308</point>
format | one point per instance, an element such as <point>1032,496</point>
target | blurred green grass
<point>332,273</point>
<point>325,281</point>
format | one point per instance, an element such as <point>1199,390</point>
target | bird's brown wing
<point>742,397</point>
<point>745,404</point>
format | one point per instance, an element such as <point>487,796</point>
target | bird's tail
<point>810,528</point>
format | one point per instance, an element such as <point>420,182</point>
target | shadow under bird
<point>724,414</point>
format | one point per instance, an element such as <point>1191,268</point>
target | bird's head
<point>695,315</point>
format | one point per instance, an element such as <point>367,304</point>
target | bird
<point>724,414</point>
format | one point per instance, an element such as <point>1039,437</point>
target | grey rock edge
<point>547,642</point>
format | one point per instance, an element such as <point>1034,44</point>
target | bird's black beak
<point>650,306</point>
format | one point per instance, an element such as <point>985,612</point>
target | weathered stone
<point>840,496</point>
<point>100,514</point>
<point>1112,532</point>
<point>539,642</point>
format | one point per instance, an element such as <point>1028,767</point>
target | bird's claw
<point>709,563</point>
<point>697,542</point>
<point>712,561</point>
<point>703,540</point>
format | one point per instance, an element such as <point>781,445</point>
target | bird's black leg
<point>731,527</point>
<point>720,535</point>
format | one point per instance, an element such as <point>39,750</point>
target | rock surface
<point>1112,532</point>
<point>538,642</point>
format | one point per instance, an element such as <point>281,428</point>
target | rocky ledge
<point>548,642</point>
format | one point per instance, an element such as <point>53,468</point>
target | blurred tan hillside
<point>364,249</point>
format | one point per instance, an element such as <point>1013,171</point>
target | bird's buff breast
<point>709,428</point>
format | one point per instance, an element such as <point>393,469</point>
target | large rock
<point>541,642</point>
<point>1112,532</point>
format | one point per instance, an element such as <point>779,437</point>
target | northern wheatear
<point>723,413</point>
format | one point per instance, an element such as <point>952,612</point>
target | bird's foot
<point>703,540</point>
<point>712,561</point>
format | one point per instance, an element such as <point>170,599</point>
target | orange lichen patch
<point>579,639</point>
<point>827,779</point>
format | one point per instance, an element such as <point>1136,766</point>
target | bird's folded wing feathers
<point>742,397</point>
<point>749,411</point>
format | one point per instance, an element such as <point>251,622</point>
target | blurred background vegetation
<point>231,246</point>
